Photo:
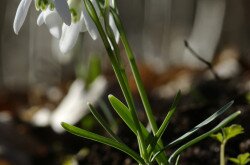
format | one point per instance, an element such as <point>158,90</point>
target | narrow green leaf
<point>177,160</point>
<point>103,123</point>
<point>203,136</point>
<point>202,124</point>
<point>165,123</point>
<point>95,137</point>
<point>199,138</point>
<point>123,112</point>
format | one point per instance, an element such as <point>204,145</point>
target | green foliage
<point>150,144</point>
<point>241,159</point>
<point>92,136</point>
<point>228,133</point>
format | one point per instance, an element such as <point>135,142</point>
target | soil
<point>23,143</point>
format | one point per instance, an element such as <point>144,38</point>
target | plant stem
<point>136,74</point>
<point>119,76</point>
<point>222,153</point>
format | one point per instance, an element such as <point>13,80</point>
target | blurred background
<point>40,86</point>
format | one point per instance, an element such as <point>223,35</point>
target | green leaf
<point>235,160</point>
<point>103,123</point>
<point>177,160</point>
<point>95,137</point>
<point>241,159</point>
<point>244,158</point>
<point>217,136</point>
<point>202,124</point>
<point>124,113</point>
<point>203,136</point>
<point>199,138</point>
<point>232,131</point>
<point>165,123</point>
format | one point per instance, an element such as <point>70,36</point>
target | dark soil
<point>22,143</point>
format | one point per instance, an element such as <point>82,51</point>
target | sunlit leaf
<point>95,137</point>
<point>166,121</point>
<point>217,136</point>
<point>199,138</point>
<point>241,159</point>
<point>232,131</point>
<point>202,124</point>
<point>103,123</point>
<point>203,136</point>
<point>124,113</point>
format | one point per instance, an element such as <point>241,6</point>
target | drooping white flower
<point>23,8</point>
<point>21,14</point>
<point>78,10</point>
<point>52,20</point>
<point>88,21</point>
<point>63,10</point>
<point>70,35</point>
<point>65,19</point>
<point>81,22</point>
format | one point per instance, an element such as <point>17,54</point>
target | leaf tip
<point>64,125</point>
<point>110,96</point>
<point>89,104</point>
<point>238,112</point>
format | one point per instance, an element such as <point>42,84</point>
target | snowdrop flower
<point>60,5</point>
<point>52,20</point>
<point>81,22</point>
<point>65,19</point>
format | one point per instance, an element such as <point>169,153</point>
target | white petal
<point>72,108</point>
<point>96,89</point>
<point>63,10</point>
<point>90,25</point>
<point>21,14</point>
<point>69,36</point>
<point>112,3</point>
<point>40,19</point>
<point>114,28</point>
<point>53,22</point>
<point>84,28</point>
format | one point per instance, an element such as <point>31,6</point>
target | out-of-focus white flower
<point>60,5</point>
<point>73,107</point>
